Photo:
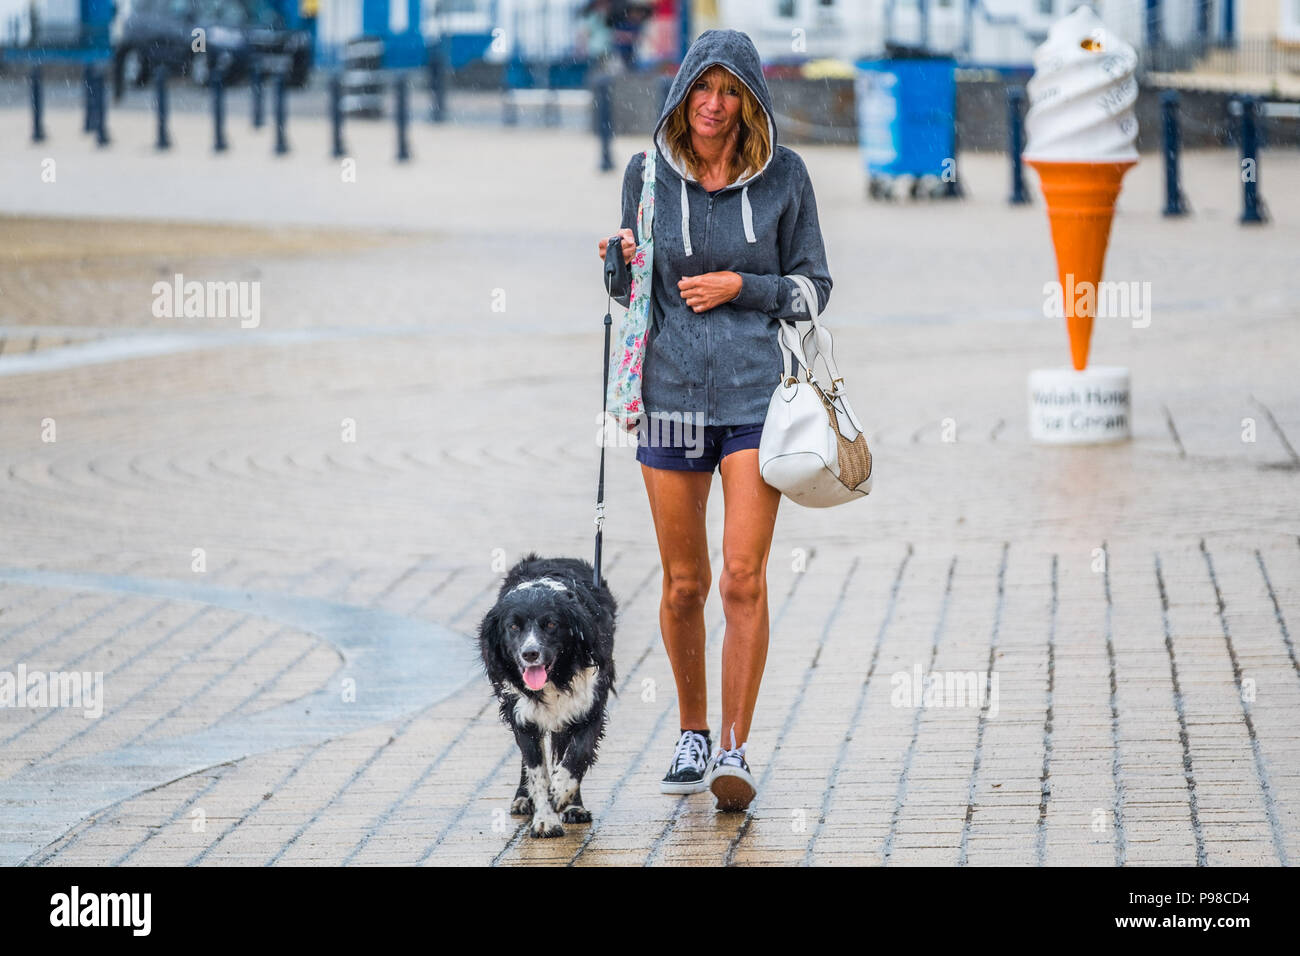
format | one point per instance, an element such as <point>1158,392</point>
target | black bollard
<point>952,188</point>
<point>403,151</point>
<point>88,85</point>
<point>1251,211</point>
<point>1175,205</point>
<point>160,96</point>
<point>218,112</point>
<point>259,107</point>
<point>438,80</point>
<point>336,113</point>
<point>281,119</point>
<point>38,105</point>
<point>604,109</point>
<point>1016,132</point>
<point>551,108</point>
<point>101,109</point>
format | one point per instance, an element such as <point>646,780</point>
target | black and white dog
<point>548,649</point>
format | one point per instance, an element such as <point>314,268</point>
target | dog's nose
<point>531,656</point>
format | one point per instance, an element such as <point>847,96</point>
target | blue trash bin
<point>906,113</point>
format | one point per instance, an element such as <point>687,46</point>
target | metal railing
<point>1263,55</point>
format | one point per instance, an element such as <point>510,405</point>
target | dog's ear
<point>488,628</point>
<point>491,643</point>
<point>577,618</point>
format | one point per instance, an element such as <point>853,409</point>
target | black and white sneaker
<point>729,777</point>
<point>686,774</point>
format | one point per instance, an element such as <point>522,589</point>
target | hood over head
<point>735,51</point>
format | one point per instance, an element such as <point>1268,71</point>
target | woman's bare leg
<point>677,500</point>
<point>751,505</point>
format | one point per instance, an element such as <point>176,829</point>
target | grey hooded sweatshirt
<point>723,363</point>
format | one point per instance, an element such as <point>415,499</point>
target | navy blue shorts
<point>691,447</point>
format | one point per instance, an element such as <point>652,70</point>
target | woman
<point>734,217</point>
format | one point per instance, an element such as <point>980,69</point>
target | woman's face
<point>713,105</point>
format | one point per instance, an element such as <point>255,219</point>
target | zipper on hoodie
<point>709,387</point>
<point>710,403</point>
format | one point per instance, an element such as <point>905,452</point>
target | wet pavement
<point>275,541</point>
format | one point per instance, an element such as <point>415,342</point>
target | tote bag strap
<point>644,223</point>
<point>645,217</point>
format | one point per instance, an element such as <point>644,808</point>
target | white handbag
<point>813,449</point>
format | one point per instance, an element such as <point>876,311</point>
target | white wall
<point>545,28</point>
<point>852,28</point>
<point>1179,22</point>
<point>9,9</point>
<point>946,24</point>
<point>846,29</point>
<point>337,21</point>
<point>61,12</point>
<point>1259,18</point>
<point>1289,21</point>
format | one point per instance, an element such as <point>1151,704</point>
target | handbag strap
<point>791,349</point>
<point>817,341</point>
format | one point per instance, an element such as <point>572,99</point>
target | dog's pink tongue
<point>535,677</point>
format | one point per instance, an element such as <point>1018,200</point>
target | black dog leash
<point>617,276</point>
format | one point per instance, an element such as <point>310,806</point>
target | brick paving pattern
<point>1136,604</point>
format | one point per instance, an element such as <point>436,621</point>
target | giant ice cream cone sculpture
<point>1081,132</point>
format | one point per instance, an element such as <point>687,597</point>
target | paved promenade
<point>275,543</point>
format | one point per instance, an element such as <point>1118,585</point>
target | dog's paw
<point>522,807</point>
<point>575,814</point>
<point>546,827</point>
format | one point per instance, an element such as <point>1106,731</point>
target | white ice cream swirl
<point>1082,94</point>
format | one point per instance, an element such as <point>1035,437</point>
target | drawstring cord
<point>746,217</point>
<point>686,220</point>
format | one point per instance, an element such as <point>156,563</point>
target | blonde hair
<point>753,146</point>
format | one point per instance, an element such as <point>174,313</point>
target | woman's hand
<point>704,292</point>
<point>629,247</point>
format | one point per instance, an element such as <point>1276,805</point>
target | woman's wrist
<point>757,292</point>
<point>739,281</point>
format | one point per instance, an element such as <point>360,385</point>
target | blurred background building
<point>557,42</point>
